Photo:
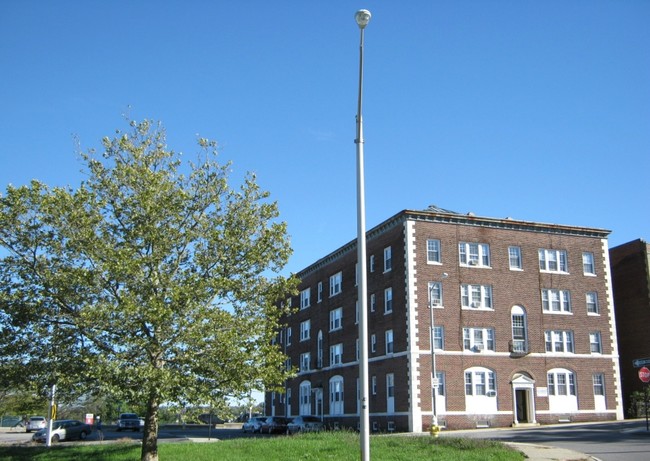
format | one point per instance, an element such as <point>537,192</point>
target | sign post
<point>644,376</point>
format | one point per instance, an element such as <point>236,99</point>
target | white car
<point>35,423</point>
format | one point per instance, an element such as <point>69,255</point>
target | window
<point>305,398</point>
<point>304,330</point>
<point>356,274</point>
<point>388,259</point>
<point>556,300</point>
<point>588,266</point>
<point>559,341</point>
<point>519,330</point>
<point>374,385</point>
<point>561,385</point>
<point>336,319</point>
<point>372,263</point>
<point>595,343</point>
<point>373,343</point>
<point>288,336</point>
<point>320,291</point>
<point>335,283</point>
<point>389,341</point>
<point>561,382</point>
<point>441,383</point>
<point>305,298</point>
<point>336,354</point>
<point>357,350</point>
<point>390,393</point>
<point>388,300</point>
<point>514,256</point>
<point>336,395</point>
<point>478,339</point>
<point>287,364</point>
<point>438,337</point>
<point>591,299</point>
<point>474,254</point>
<point>599,383</point>
<point>435,293</point>
<point>356,312</point>
<point>373,302</point>
<point>476,296</point>
<point>319,350</point>
<point>433,251</point>
<point>480,381</point>
<point>305,361</point>
<point>553,261</point>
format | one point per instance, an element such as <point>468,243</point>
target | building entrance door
<point>521,405</point>
<point>523,399</point>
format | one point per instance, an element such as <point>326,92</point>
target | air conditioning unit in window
<point>491,393</point>
<point>474,304</point>
<point>478,348</point>
<point>473,262</point>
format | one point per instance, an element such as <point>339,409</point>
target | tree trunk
<point>150,437</point>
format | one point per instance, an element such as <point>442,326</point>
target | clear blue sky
<point>537,110</point>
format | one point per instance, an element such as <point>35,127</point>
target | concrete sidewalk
<point>548,453</point>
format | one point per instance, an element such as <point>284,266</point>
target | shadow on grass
<point>103,452</point>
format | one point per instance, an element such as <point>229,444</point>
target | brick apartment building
<point>523,327</point>
<point>631,285</point>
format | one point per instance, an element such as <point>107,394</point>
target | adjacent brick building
<point>523,326</point>
<point>631,282</point>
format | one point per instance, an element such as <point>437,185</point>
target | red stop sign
<point>644,374</point>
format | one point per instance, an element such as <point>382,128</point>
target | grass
<point>339,446</point>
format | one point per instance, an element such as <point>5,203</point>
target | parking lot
<point>171,433</point>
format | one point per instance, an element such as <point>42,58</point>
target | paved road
<point>613,441</point>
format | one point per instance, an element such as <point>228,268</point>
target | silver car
<point>304,424</point>
<point>254,424</point>
<point>35,423</point>
<point>64,429</point>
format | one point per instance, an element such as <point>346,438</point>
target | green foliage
<point>154,281</point>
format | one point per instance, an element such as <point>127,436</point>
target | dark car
<point>128,421</point>
<point>254,424</point>
<point>64,429</point>
<point>275,425</point>
<point>305,424</point>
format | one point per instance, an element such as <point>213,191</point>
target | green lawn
<point>339,446</point>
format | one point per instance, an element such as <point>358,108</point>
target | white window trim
<point>465,258</point>
<point>487,339</point>
<point>305,298</point>
<point>435,262</point>
<point>336,319</point>
<point>388,307</point>
<point>563,297</point>
<point>485,295</point>
<point>336,284</point>
<point>388,259</point>
<point>543,255</point>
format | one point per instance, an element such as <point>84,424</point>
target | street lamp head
<point>363,18</point>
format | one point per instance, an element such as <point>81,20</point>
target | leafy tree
<point>154,280</point>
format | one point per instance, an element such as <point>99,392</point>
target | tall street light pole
<point>434,377</point>
<point>362,17</point>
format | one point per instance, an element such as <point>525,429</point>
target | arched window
<point>562,395</point>
<point>480,390</point>
<point>519,343</point>
<point>305,398</point>
<point>336,395</point>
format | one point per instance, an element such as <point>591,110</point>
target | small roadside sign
<point>644,375</point>
<point>638,363</point>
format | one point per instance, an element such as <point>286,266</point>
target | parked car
<point>35,423</point>
<point>275,425</point>
<point>304,424</point>
<point>128,421</point>
<point>254,424</point>
<point>64,429</point>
